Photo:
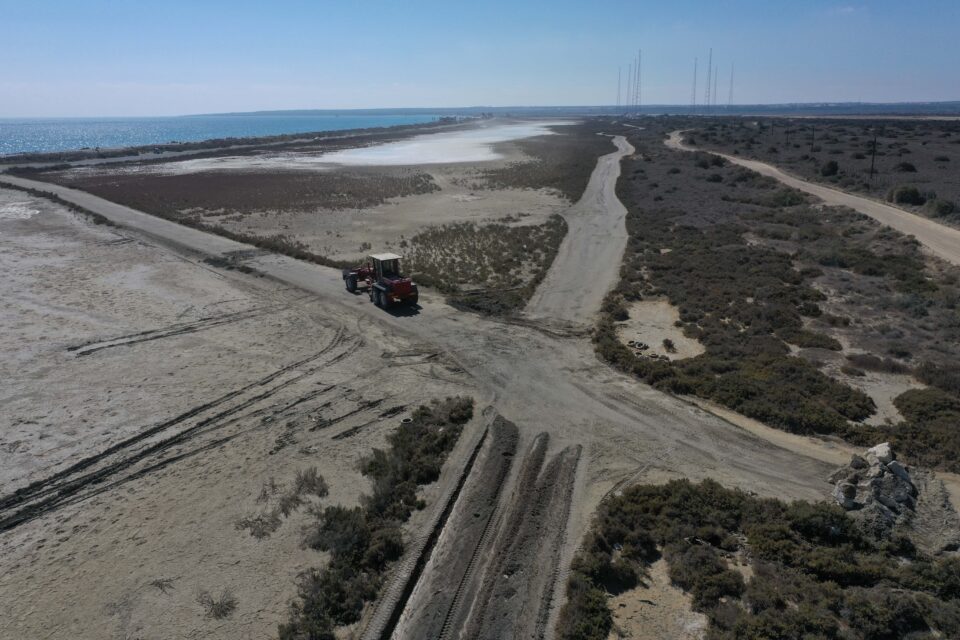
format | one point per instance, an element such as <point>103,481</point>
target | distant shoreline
<point>163,135</point>
<point>179,149</point>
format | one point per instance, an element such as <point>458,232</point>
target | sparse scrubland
<point>914,166</point>
<point>761,276</point>
<point>561,162</point>
<point>492,268</point>
<point>362,541</point>
<point>208,195</point>
<point>814,572</point>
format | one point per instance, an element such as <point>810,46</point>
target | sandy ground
<point>653,321</point>
<point>546,381</point>
<point>655,610</point>
<point>540,380</point>
<point>341,234</point>
<point>940,240</point>
<point>127,557</point>
<point>453,159</point>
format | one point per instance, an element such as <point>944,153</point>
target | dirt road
<point>601,427</point>
<point>588,261</point>
<point>942,241</point>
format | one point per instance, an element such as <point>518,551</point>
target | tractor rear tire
<point>414,299</point>
<point>351,282</point>
<point>376,298</point>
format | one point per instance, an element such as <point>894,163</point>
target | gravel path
<point>587,265</point>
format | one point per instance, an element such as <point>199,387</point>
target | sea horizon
<point>50,135</point>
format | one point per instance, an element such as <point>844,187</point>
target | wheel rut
<point>152,448</point>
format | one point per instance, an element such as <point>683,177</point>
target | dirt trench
<point>492,572</point>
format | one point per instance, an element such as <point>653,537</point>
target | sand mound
<point>651,323</point>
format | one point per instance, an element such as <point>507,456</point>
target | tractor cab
<point>385,265</point>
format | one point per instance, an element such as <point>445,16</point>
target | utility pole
<point>629,88</point>
<point>813,136</point>
<point>873,156</point>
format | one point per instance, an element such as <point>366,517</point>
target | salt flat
<point>469,145</point>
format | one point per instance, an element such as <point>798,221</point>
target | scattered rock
<point>881,452</point>
<point>885,495</point>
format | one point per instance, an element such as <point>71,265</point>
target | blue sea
<point>20,135</point>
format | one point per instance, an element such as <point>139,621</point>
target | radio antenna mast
<point>730,96</point>
<point>639,80</point>
<point>693,95</point>
<point>706,97</point>
<point>618,88</point>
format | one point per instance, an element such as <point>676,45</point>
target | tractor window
<point>390,267</point>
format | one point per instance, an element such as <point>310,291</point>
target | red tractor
<point>380,274</point>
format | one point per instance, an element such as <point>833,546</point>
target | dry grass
<point>492,268</point>
<point>307,482</point>
<point>561,162</point>
<point>217,608</point>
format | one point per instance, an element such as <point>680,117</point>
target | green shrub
<point>905,195</point>
<point>829,168</point>
<point>363,541</point>
<point>939,208</point>
<point>816,573</point>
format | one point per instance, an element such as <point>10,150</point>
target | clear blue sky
<point>112,57</point>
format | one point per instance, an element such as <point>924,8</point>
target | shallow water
<point>20,135</point>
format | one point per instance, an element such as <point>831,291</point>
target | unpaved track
<point>940,240</point>
<point>587,265</point>
<point>541,382</point>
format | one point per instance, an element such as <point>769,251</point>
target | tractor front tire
<point>414,299</point>
<point>351,282</point>
<point>375,296</point>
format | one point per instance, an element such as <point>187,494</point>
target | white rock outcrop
<point>875,482</point>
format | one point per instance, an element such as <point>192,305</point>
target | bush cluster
<point>744,303</point>
<point>362,541</point>
<point>738,259</point>
<point>492,268</point>
<point>561,162</point>
<point>816,574</point>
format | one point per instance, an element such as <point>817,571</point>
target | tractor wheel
<point>376,298</point>
<point>415,298</point>
<point>351,281</point>
<point>384,300</point>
